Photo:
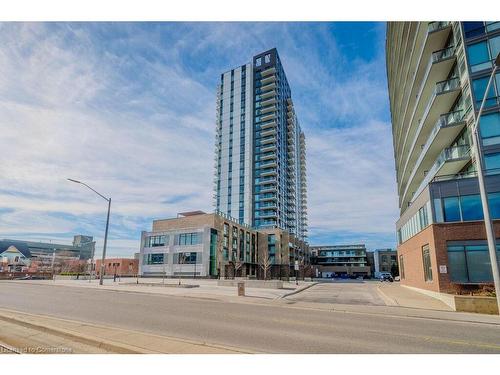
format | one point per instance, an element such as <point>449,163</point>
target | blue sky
<point>130,109</point>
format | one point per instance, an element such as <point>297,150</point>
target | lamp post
<point>101,276</point>
<point>478,155</point>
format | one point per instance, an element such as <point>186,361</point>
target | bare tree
<point>265,262</point>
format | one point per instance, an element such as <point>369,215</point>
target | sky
<point>129,108</point>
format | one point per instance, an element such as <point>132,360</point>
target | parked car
<point>386,276</point>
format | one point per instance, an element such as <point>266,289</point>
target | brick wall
<point>436,235</point>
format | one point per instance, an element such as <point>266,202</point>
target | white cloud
<point>130,115</point>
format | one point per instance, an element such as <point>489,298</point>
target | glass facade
<point>465,208</point>
<point>469,262</point>
<point>260,148</point>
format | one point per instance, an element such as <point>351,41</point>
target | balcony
<point>268,172</point>
<point>262,181</point>
<point>268,72</point>
<point>267,198</point>
<point>267,140</point>
<point>267,87</point>
<point>268,156</point>
<point>265,214</point>
<point>268,117</point>
<point>268,124</point>
<point>268,205</point>
<point>268,102</point>
<point>268,79</point>
<point>438,69</point>
<point>441,99</point>
<point>269,131</point>
<point>450,161</point>
<point>267,164</point>
<point>271,147</point>
<point>434,39</point>
<point>268,94</point>
<point>448,126</point>
<point>267,109</point>
<point>268,189</point>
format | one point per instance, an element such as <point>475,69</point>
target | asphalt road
<point>264,328</point>
<point>350,292</point>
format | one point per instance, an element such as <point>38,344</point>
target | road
<point>351,292</point>
<point>271,327</point>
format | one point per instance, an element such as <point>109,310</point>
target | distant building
<point>213,244</point>
<point>385,260</point>
<point>43,256</point>
<point>118,266</point>
<point>333,260</point>
<point>14,257</point>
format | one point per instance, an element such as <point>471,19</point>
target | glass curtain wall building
<point>260,174</point>
<point>437,75</point>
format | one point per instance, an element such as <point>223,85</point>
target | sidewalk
<point>204,288</point>
<point>22,328</point>
<point>396,295</point>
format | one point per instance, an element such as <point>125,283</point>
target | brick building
<point>118,266</point>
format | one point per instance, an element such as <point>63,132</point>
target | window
<point>490,128</point>
<point>187,258</point>
<point>479,86</point>
<point>494,46</point>
<point>494,203</point>
<point>492,162</point>
<point>471,207</point>
<point>457,264</point>
<point>473,29</point>
<point>155,241</point>
<point>479,56</point>
<point>154,259</point>
<point>426,257</point>
<point>451,209</point>
<point>469,262</point>
<point>186,239</point>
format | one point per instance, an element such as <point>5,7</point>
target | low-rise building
<point>33,256</point>
<point>199,244</point>
<point>385,260</point>
<point>118,266</point>
<point>337,260</point>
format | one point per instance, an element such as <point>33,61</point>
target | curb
<point>102,343</point>
<point>81,338</point>
<point>297,290</point>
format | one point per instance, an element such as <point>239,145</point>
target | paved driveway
<point>350,292</point>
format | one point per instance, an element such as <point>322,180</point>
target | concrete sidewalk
<point>394,294</point>
<point>21,329</point>
<point>205,288</point>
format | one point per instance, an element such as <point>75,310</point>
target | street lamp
<point>478,155</point>
<point>101,276</point>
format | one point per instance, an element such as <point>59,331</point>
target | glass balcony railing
<point>437,25</point>
<point>447,119</point>
<point>442,54</point>
<point>447,85</point>
<point>448,154</point>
